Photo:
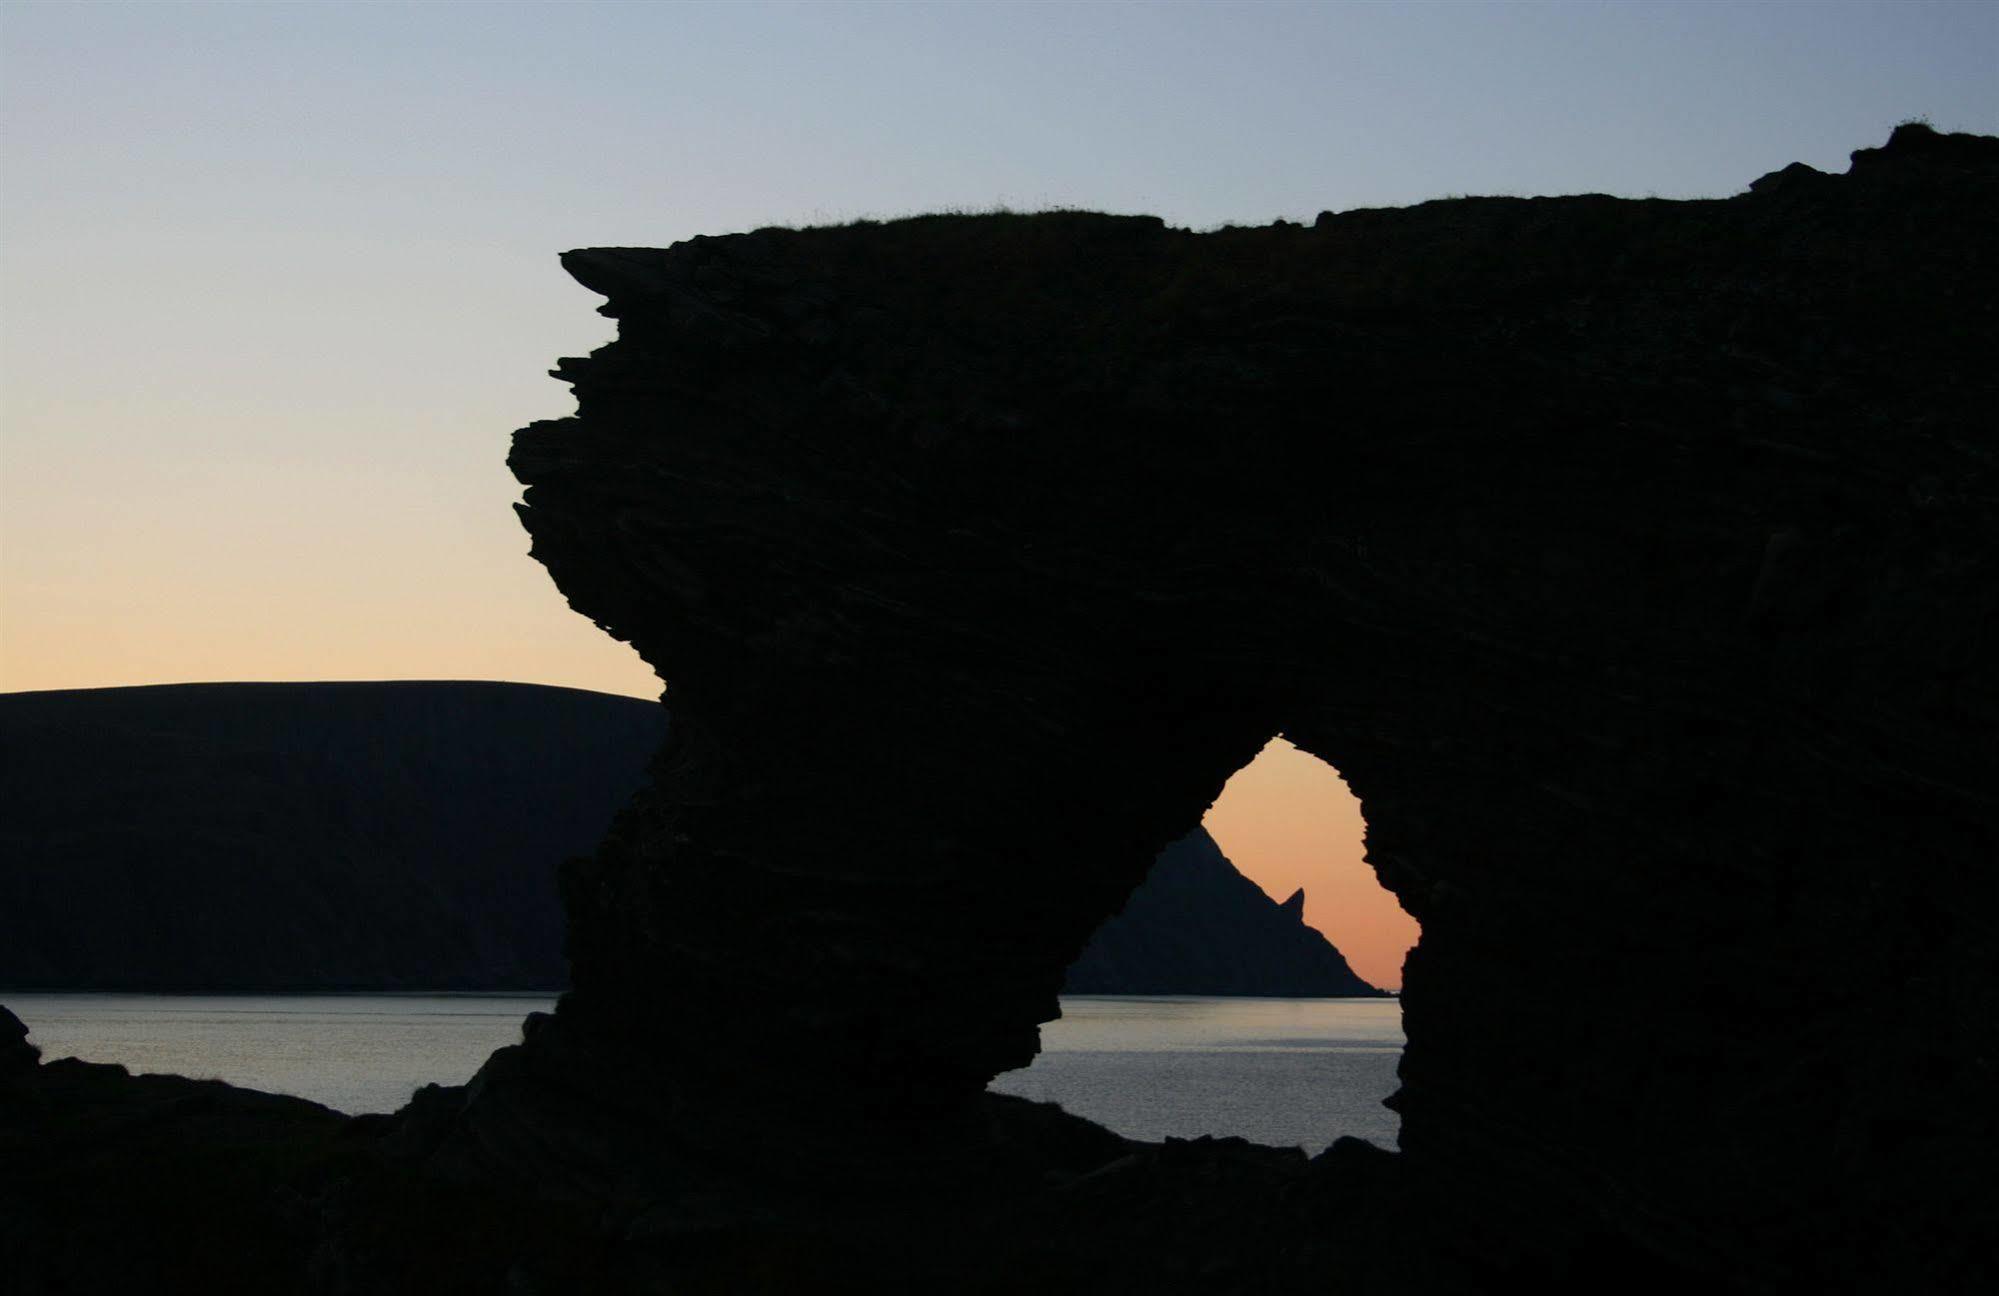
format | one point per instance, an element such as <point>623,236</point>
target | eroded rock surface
<point>1633,560</point>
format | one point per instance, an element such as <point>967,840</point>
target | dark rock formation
<point>306,837</point>
<point>1195,926</point>
<point>1636,563</point>
<point>16,1054</point>
<point>230,837</point>
<point>113,1182</point>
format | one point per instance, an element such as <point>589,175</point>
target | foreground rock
<point>16,1054</point>
<point>1634,561</point>
<point>116,1182</point>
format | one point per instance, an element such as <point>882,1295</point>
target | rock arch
<point>1634,561</point>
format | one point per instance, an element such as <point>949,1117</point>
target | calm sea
<point>1279,1071</point>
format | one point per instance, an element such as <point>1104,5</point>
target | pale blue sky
<point>278,280</point>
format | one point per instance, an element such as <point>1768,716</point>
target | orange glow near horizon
<point>1287,820</point>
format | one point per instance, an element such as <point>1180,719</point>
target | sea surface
<point>1280,1071</point>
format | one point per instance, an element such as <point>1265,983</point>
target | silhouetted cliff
<point>1635,562</point>
<point>400,836</point>
<point>1197,926</point>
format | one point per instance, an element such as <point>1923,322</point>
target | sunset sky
<point>278,281</point>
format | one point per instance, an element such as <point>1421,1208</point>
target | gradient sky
<point>277,281</point>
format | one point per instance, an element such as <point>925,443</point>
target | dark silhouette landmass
<point>1196,926</point>
<point>405,836</point>
<point>296,837</point>
<point>1636,562</point>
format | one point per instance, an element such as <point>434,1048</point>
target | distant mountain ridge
<point>405,835</point>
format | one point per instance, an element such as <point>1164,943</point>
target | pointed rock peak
<point>1295,906</point>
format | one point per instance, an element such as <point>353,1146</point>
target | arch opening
<point>1289,822</point>
<point>1237,990</point>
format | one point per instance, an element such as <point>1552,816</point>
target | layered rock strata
<point>1635,561</point>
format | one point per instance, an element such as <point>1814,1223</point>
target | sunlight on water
<point>1282,1071</point>
<point>355,1053</point>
